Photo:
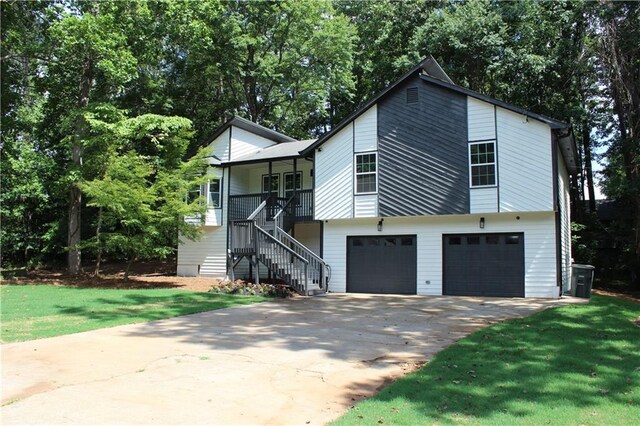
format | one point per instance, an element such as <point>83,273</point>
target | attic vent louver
<point>412,95</point>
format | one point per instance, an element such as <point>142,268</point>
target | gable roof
<point>367,105</point>
<point>252,127</point>
<point>281,151</point>
<point>430,72</point>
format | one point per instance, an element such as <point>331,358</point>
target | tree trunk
<point>99,244</point>
<point>586,143</point>
<point>75,195</point>
<point>622,74</point>
<point>126,271</point>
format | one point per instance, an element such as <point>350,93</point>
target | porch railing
<point>304,205</point>
<point>241,206</point>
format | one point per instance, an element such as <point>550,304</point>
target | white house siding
<point>240,182</point>
<point>334,177</point>
<point>220,146</point>
<point>525,169</point>
<point>539,236</point>
<point>255,172</point>
<point>366,130</point>
<point>481,120</point>
<point>309,235</point>
<point>244,142</point>
<point>208,255</point>
<point>366,205</point>
<point>565,222</point>
<point>483,200</point>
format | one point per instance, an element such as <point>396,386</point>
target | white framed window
<point>195,193</point>
<point>290,185</point>
<point>215,193</point>
<point>275,183</point>
<point>482,164</point>
<point>366,181</point>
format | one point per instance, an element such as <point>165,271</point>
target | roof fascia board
<point>554,124</point>
<point>261,160</point>
<point>252,127</point>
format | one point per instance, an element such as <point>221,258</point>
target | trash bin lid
<point>578,265</point>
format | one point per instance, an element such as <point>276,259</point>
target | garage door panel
<point>384,265</point>
<point>484,264</point>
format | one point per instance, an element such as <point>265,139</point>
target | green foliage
<point>140,195</point>
<point>251,289</point>
<point>105,77</point>
<point>570,365</point>
<point>276,63</point>
<point>29,225</point>
<point>36,311</point>
<point>584,245</point>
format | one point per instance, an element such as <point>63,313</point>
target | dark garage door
<point>484,265</point>
<point>381,264</point>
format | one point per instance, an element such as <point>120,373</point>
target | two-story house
<point>428,188</point>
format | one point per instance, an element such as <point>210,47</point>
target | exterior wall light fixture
<point>380,224</point>
<point>482,223</point>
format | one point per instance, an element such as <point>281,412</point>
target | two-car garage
<point>473,264</point>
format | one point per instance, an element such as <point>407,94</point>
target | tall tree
<point>89,49</point>
<point>384,30</point>
<point>619,25</point>
<point>140,191</point>
<point>273,62</point>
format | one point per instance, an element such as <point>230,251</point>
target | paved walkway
<point>300,361</point>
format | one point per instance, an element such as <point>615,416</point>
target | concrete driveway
<point>299,361</point>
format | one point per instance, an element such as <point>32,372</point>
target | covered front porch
<point>283,182</point>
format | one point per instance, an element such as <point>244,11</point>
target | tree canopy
<point>85,81</point>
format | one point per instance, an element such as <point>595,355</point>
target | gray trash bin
<point>581,280</point>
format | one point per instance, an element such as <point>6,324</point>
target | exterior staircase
<point>263,237</point>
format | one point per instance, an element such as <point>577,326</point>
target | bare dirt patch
<point>634,296</point>
<point>144,275</point>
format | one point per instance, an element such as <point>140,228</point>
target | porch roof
<point>281,151</point>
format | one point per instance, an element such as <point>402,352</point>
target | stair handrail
<point>257,211</point>
<point>281,235</point>
<point>302,275</point>
<point>281,244</point>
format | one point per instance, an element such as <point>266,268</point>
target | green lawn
<point>35,311</point>
<point>575,365</point>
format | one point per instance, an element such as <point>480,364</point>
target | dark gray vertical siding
<point>422,148</point>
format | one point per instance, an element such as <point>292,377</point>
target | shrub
<point>251,289</point>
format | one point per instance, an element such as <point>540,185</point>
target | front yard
<point>574,365</point>
<point>36,311</point>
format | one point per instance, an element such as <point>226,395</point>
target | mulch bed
<point>143,275</point>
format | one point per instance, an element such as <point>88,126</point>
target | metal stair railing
<point>249,238</point>
<point>318,269</point>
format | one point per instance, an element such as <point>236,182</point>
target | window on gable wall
<point>215,191</point>
<point>482,164</point>
<point>366,173</point>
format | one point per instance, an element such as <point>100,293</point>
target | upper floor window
<point>366,173</point>
<point>275,183</point>
<point>289,184</point>
<point>195,193</point>
<point>482,163</point>
<point>215,191</point>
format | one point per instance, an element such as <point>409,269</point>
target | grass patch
<point>574,365</point>
<point>35,311</point>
